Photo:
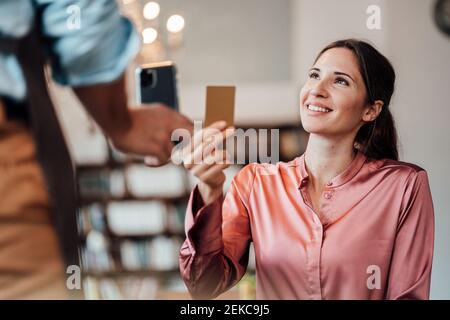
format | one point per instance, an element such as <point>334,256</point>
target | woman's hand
<point>206,161</point>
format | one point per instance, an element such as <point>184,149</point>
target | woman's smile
<point>316,109</point>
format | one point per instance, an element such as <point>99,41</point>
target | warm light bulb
<point>149,35</point>
<point>151,10</point>
<point>175,23</point>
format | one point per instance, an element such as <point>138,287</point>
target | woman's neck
<point>326,158</point>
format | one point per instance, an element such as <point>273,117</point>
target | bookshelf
<point>131,224</point>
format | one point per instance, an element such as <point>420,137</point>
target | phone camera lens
<point>148,78</point>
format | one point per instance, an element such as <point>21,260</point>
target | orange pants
<point>30,263</point>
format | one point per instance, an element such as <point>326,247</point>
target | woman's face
<point>332,101</point>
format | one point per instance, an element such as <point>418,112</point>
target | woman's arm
<point>214,256</point>
<point>410,271</point>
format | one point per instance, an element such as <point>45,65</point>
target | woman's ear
<point>372,111</point>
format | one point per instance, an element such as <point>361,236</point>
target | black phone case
<point>158,84</point>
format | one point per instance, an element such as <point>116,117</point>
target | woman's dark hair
<point>376,139</point>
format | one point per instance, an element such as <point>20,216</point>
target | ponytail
<point>378,139</point>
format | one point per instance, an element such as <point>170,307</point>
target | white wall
<point>421,104</point>
<point>242,43</point>
<point>239,41</point>
<point>421,55</point>
<point>317,23</point>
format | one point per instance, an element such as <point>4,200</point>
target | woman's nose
<point>319,89</point>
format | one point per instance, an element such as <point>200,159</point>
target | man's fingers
<point>185,123</point>
<point>176,120</point>
<point>151,161</point>
<point>157,150</point>
<point>168,146</point>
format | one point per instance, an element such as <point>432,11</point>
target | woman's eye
<point>313,75</point>
<point>342,81</point>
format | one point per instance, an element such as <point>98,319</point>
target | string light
<point>149,35</point>
<point>175,23</point>
<point>151,10</point>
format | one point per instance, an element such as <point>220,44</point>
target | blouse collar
<point>353,168</point>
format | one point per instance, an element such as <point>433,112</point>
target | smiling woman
<point>359,97</point>
<point>346,220</point>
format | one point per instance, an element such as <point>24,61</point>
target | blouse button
<point>328,195</point>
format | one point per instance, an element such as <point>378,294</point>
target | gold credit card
<point>220,104</point>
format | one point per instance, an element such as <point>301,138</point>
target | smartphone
<point>157,82</point>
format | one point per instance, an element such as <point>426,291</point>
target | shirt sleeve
<point>214,256</point>
<point>89,42</point>
<point>410,271</point>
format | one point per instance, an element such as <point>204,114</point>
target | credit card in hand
<point>220,104</point>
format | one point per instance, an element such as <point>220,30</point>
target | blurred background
<point>131,217</point>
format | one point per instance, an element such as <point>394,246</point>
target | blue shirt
<point>91,47</point>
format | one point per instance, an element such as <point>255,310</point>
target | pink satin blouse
<point>373,240</point>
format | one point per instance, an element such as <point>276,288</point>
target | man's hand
<point>143,131</point>
<point>150,130</point>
